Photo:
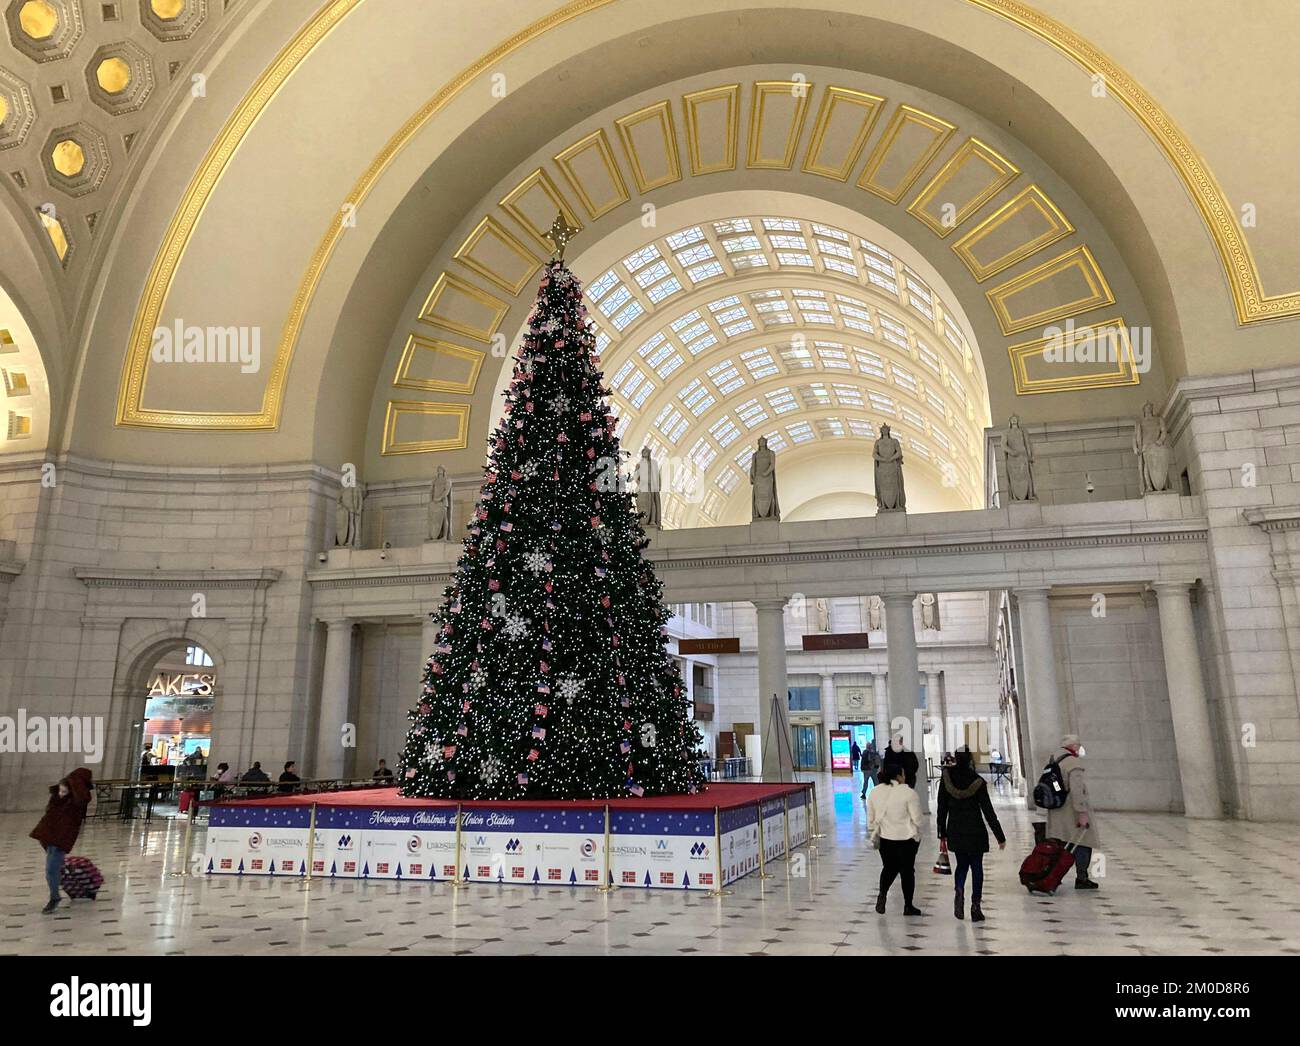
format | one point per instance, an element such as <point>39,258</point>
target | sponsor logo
<point>635,851</point>
<point>413,844</point>
<point>661,844</point>
<point>699,850</point>
<point>589,848</point>
<point>514,846</point>
<point>255,840</point>
<point>345,842</point>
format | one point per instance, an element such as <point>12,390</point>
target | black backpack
<point>1051,790</point>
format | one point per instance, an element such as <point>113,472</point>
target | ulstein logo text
<point>180,343</point>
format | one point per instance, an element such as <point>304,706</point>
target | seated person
<point>382,774</point>
<point>290,777</point>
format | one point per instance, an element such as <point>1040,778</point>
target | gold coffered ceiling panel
<point>843,125</point>
<point>463,308</point>
<point>1021,226</point>
<point>411,427</point>
<point>775,121</point>
<point>650,141</point>
<point>535,202</point>
<point>590,168</point>
<point>911,140</point>
<point>498,256</point>
<point>972,176</point>
<point>433,365</point>
<point>712,128</point>
<point>1067,285</point>
<point>1093,357</point>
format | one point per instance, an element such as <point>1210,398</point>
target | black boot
<point>910,909</point>
<point>976,916</point>
<point>54,903</point>
<point>880,904</point>
<point>959,906</point>
<point>1084,883</point>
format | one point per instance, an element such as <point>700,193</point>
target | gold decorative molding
<point>1119,345</point>
<point>764,90</point>
<point>1000,173</point>
<point>693,103</point>
<point>1032,199</point>
<point>397,409</point>
<point>447,291</point>
<point>905,117</point>
<point>662,115</point>
<point>515,203</point>
<point>567,160</point>
<point>1078,262</point>
<point>130,409</point>
<point>472,359</point>
<point>488,231</point>
<point>841,99</point>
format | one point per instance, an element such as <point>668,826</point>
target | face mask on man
<point>1082,751</point>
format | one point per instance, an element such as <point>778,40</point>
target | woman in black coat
<point>964,806</point>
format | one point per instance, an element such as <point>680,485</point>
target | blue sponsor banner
<point>685,822</point>
<point>259,816</point>
<point>738,817</point>
<point>388,818</point>
<point>534,819</point>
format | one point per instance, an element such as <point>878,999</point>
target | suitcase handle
<point>1075,841</point>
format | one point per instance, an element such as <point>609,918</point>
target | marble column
<point>905,680</point>
<point>1039,688</point>
<point>936,708</point>
<point>830,710</point>
<point>336,685</point>
<point>1188,705</point>
<point>881,715</point>
<point>777,765</point>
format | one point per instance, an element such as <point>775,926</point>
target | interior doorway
<point>173,736</point>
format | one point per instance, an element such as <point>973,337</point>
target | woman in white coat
<point>894,823</point>
<point>1076,819</point>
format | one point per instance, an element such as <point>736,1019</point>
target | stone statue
<point>440,507</point>
<point>347,516</point>
<point>888,457</point>
<point>875,613</point>
<point>1019,456</point>
<point>930,611</point>
<point>823,611</point>
<point>1151,445</point>
<point>762,475</point>
<point>648,505</point>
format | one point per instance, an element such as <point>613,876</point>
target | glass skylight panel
<point>700,344</point>
<point>726,377</point>
<point>795,357</point>
<point>920,448</point>
<point>840,250</point>
<point>893,331</point>
<point>771,306</point>
<point>762,295</point>
<point>929,357</point>
<point>601,285</point>
<point>625,317</point>
<point>671,364</point>
<point>685,237</point>
<point>704,272</point>
<point>800,433</point>
<point>880,281</point>
<point>912,417</point>
<point>812,304</point>
<point>825,319</point>
<point>691,255</point>
<point>622,374</point>
<point>937,403</point>
<point>741,244</point>
<point>711,505</point>
<point>782,401</point>
<point>663,290</point>
<point>759,363</point>
<point>956,387</point>
<point>728,226</point>
<point>815,396</point>
<point>643,394</point>
<point>659,349</point>
<point>793,258</point>
<point>862,428</point>
<point>869,363</point>
<point>921,306</point>
<point>621,428</point>
<point>771,318</point>
<point>732,329</point>
<point>842,267</point>
<point>651,343</point>
<point>857,325</point>
<point>776,441</point>
<point>941,439</point>
<point>724,431</point>
<point>668,417</point>
<point>751,412</point>
<point>848,395</point>
<point>727,480</point>
<point>678,430</point>
<point>748,261</point>
<point>731,315</point>
<point>602,342</point>
<point>879,252</point>
<point>652,274</point>
<point>633,383</point>
<point>694,331</point>
<point>679,324</point>
<point>641,258</point>
<point>834,234</point>
<point>613,302</point>
<point>781,225</point>
<point>792,243</point>
<point>845,302</point>
<point>903,378</point>
<point>953,334</point>
<point>697,397</point>
<point>830,428</point>
<point>881,402</point>
<point>703,453</point>
<point>724,303</point>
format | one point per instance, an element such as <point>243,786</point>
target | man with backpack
<point>1063,792</point>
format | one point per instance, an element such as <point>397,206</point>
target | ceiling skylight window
<point>956,387</point>
<point>880,281</point>
<point>703,454</point>
<point>640,258</point>
<point>697,397</point>
<point>862,326</point>
<point>818,317</point>
<point>800,433</point>
<point>936,403</point>
<point>732,329</point>
<point>684,321</point>
<point>724,431</point>
<point>842,267</point>
<point>744,458</point>
<point>942,440</point>
<point>642,394</point>
<point>671,423</point>
<point>862,429</point>
<point>669,287</point>
<point>848,395</point>
<point>726,377</point>
<point>920,448</point>
<point>767,294</point>
<point>651,343</point>
<point>912,417</point>
<point>748,261</point>
<point>613,302</point>
<point>928,357</point>
<point>625,317</point>
<point>793,243</point>
<point>840,250</point>
<point>793,258</point>
<point>704,272</point>
<point>724,303</point>
<point>776,440</point>
<point>740,244</point>
<point>815,396</point>
<point>782,401</point>
<point>830,428</point>
<point>893,331</point>
<point>601,285</point>
<point>692,332</point>
<point>633,382</point>
<point>695,254</point>
<point>732,225</point>
<point>622,374</point>
<point>731,315</point>
<point>759,363</point>
<point>751,412</point>
<point>812,305</point>
<point>727,480</point>
<point>652,274</point>
<point>882,403</point>
<point>685,237</point>
<point>711,505</point>
<point>903,378</point>
<point>700,344</point>
<point>781,225</point>
<point>602,342</point>
<point>826,230</point>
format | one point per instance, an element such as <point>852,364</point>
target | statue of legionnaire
<point>930,611</point>
<point>347,516</point>
<point>440,507</point>
<point>762,475</point>
<point>888,457</point>
<point>875,613</point>
<point>648,505</point>
<point>1019,457</point>
<point>1151,445</point>
<point>823,611</point>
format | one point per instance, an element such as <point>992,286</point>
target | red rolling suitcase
<point>1047,864</point>
<point>80,878</point>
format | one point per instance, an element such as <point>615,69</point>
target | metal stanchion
<point>456,881</point>
<point>762,848</point>
<point>311,841</point>
<point>189,833</point>
<point>817,832</point>
<point>786,801</point>
<point>717,890</point>
<point>607,883</point>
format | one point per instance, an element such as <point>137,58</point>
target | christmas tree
<point>551,677</point>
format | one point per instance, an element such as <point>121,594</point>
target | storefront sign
<point>837,641</point>
<point>723,645</point>
<point>182,684</point>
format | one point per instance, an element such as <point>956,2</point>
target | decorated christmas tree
<point>551,677</point>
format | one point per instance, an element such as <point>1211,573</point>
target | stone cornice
<point>11,468</point>
<point>199,581</point>
<point>9,570</point>
<point>1275,518</point>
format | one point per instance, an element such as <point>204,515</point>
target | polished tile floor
<point>1170,886</point>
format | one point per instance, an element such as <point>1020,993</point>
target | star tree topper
<point>561,233</point>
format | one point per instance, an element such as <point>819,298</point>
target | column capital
<point>826,673</point>
<point>337,624</point>
<point>1032,593</point>
<point>770,603</point>
<point>1170,589</point>
<point>898,598</point>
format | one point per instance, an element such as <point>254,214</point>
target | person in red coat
<point>57,831</point>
